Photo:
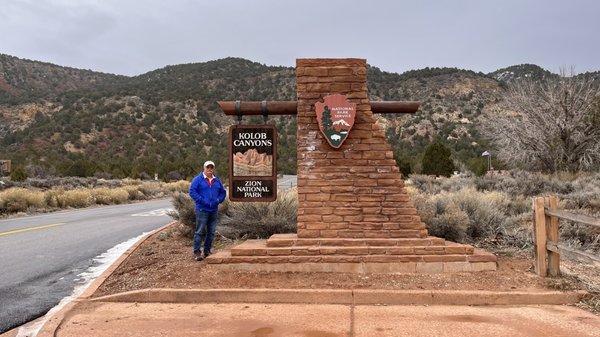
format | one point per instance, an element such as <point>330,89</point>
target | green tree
<point>477,165</point>
<point>437,161</point>
<point>81,168</point>
<point>404,166</point>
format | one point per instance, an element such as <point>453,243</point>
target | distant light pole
<point>489,155</point>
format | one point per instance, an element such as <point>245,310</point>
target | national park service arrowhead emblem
<point>336,117</point>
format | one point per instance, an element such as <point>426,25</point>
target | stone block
<point>456,267</point>
<point>401,250</point>
<point>483,266</point>
<point>390,268</point>
<point>429,267</point>
<point>328,233</point>
<point>305,233</point>
<point>444,258</point>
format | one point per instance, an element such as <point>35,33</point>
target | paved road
<point>41,256</point>
<point>287,181</point>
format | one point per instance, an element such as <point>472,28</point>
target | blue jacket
<point>207,197</point>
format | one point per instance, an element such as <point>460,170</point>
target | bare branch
<point>549,125</point>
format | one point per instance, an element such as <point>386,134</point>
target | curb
<point>100,279</point>
<point>349,296</point>
<point>54,322</point>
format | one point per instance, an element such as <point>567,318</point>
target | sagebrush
<point>253,220</point>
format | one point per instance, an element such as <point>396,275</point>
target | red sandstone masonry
<point>355,191</point>
<point>354,214</point>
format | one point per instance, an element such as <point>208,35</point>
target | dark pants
<point>206,224</point>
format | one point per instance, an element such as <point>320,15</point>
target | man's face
<point>209,170</point>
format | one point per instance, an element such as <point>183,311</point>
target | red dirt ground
<point>165,261</point>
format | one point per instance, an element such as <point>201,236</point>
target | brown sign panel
<point>336,117</point>
<point>252,163</point>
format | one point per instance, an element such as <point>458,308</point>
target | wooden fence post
<point>552,236</point>
<point>539,229</point>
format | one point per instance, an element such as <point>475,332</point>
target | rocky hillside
<point>78,122</point>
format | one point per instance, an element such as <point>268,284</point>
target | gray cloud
<point>132,37</point>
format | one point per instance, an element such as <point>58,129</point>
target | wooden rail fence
<point>545,226</point>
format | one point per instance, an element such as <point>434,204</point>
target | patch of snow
<point>341,122</point>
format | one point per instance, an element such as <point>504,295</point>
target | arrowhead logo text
<point>336,117</point>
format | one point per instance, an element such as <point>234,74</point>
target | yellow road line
<point>30,229</point>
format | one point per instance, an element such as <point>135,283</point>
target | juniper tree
<point>437,161</point>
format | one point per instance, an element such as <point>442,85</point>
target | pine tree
<point>327,123</point>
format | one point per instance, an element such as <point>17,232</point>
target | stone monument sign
<point>354,214</point>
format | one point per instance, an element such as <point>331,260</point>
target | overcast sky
<point>132,37</point>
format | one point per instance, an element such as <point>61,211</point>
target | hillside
<point>521,71</point>
<point>24,81</point>
<point>167,120</point>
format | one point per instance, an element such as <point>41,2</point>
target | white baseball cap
<point>208,162</point>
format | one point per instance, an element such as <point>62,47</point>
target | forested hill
<point>79,122</point>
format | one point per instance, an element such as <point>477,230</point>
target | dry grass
<point>134,193</point>
<point>17,199</point>
<point>178,186</point>
<point>109,196</point>
<point>76,198</point>
<point>77,193</point>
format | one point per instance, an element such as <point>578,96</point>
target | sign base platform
<point>288,253</point>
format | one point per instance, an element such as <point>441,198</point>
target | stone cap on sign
<point>328,62</point>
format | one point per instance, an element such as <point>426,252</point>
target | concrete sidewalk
<point>321,320</point>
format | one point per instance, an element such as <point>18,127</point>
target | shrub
<point>75,198</point>
<point>178,186</point>
<point>81,168</point>
<point>403,165</point>
<point>109,196</point>
<point>260,220</point>
<point>434,185</point>
<point>525,183</point>
<point>174,176</point>
<point>242,219</point>
<point>20,200</point>
<point>18,174</point>
<point>150,189</point>
<point>36,171</point>
<point>134,193</point>
<point>51,197</point>
<point>184,212</point>
<point>437,161</point>
<point>450,222</point>
<point>468,215</point>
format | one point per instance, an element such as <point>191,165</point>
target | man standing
<point>208,192</point>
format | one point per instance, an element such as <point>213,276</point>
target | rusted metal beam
<point>255,108</point>
<point>395,107</point>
